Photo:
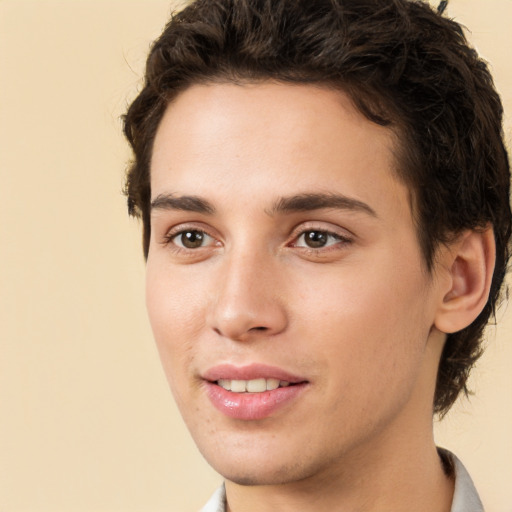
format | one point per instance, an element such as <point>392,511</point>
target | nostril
<point>258,328</point>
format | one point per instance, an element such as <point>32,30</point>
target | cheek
<point>173,300</point>
<point>379,298</point>
<point>176,319</point>
<point>371,323</point>
<point>372,354</point>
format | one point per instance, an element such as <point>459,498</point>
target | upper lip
<point>249,372</point>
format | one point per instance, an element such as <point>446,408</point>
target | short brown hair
<point>404,66</point>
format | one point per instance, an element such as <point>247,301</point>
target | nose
<point>248,301</point>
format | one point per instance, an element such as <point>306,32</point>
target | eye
<point>191,239</point>
<point>317,239</point>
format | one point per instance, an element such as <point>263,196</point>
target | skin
<point>357,318</point>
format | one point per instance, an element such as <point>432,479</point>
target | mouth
<point>252,392</point>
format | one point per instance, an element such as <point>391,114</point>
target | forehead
<point>273,138</point>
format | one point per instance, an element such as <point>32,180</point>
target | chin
<point>262,476</point>
<point>263,464</point>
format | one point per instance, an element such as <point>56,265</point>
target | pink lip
<point>251,406</point>
<point>252,371</point>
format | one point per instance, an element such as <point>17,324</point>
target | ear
<point>470,265</point>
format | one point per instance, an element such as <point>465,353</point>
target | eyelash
<point>172,235</point>
<point>340,240</point>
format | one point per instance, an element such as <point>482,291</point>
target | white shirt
<point>465,497</point>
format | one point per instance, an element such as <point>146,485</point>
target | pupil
<point>192,239</point>
<point>316,239</point>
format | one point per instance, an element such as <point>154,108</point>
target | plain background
<point>87,423</point>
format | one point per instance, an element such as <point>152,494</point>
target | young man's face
<point>283,252</point>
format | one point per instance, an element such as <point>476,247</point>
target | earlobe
<point>470,264</point>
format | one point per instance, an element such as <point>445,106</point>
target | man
<point>324,192</point>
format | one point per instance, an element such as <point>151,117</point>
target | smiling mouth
<point>255,397</point>
<point>253,385</point>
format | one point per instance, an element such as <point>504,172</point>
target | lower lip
<point>252,406</point>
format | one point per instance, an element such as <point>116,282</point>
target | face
<point>285,284</point>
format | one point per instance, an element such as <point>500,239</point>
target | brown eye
<point>319,239</point>
<point>316,239</point>
<point>192,239</point>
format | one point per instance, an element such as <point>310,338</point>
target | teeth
<point>272,384</point>
<point>256,385</point>
<point>224,383</point>
<point>252,386</point>
<point>238,386</point>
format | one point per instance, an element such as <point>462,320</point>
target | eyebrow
<point>308,202</point>
<point>295,203</point>
<point>185,203</point>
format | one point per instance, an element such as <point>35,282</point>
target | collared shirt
<point>465,497</point>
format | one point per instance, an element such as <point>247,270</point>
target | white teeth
<point>256,385</point>
<point>252,386</point>
<point>272,384</point>
<point>224,383</point>
<point>238,386</point>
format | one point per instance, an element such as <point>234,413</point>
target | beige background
<point>86,420</point>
